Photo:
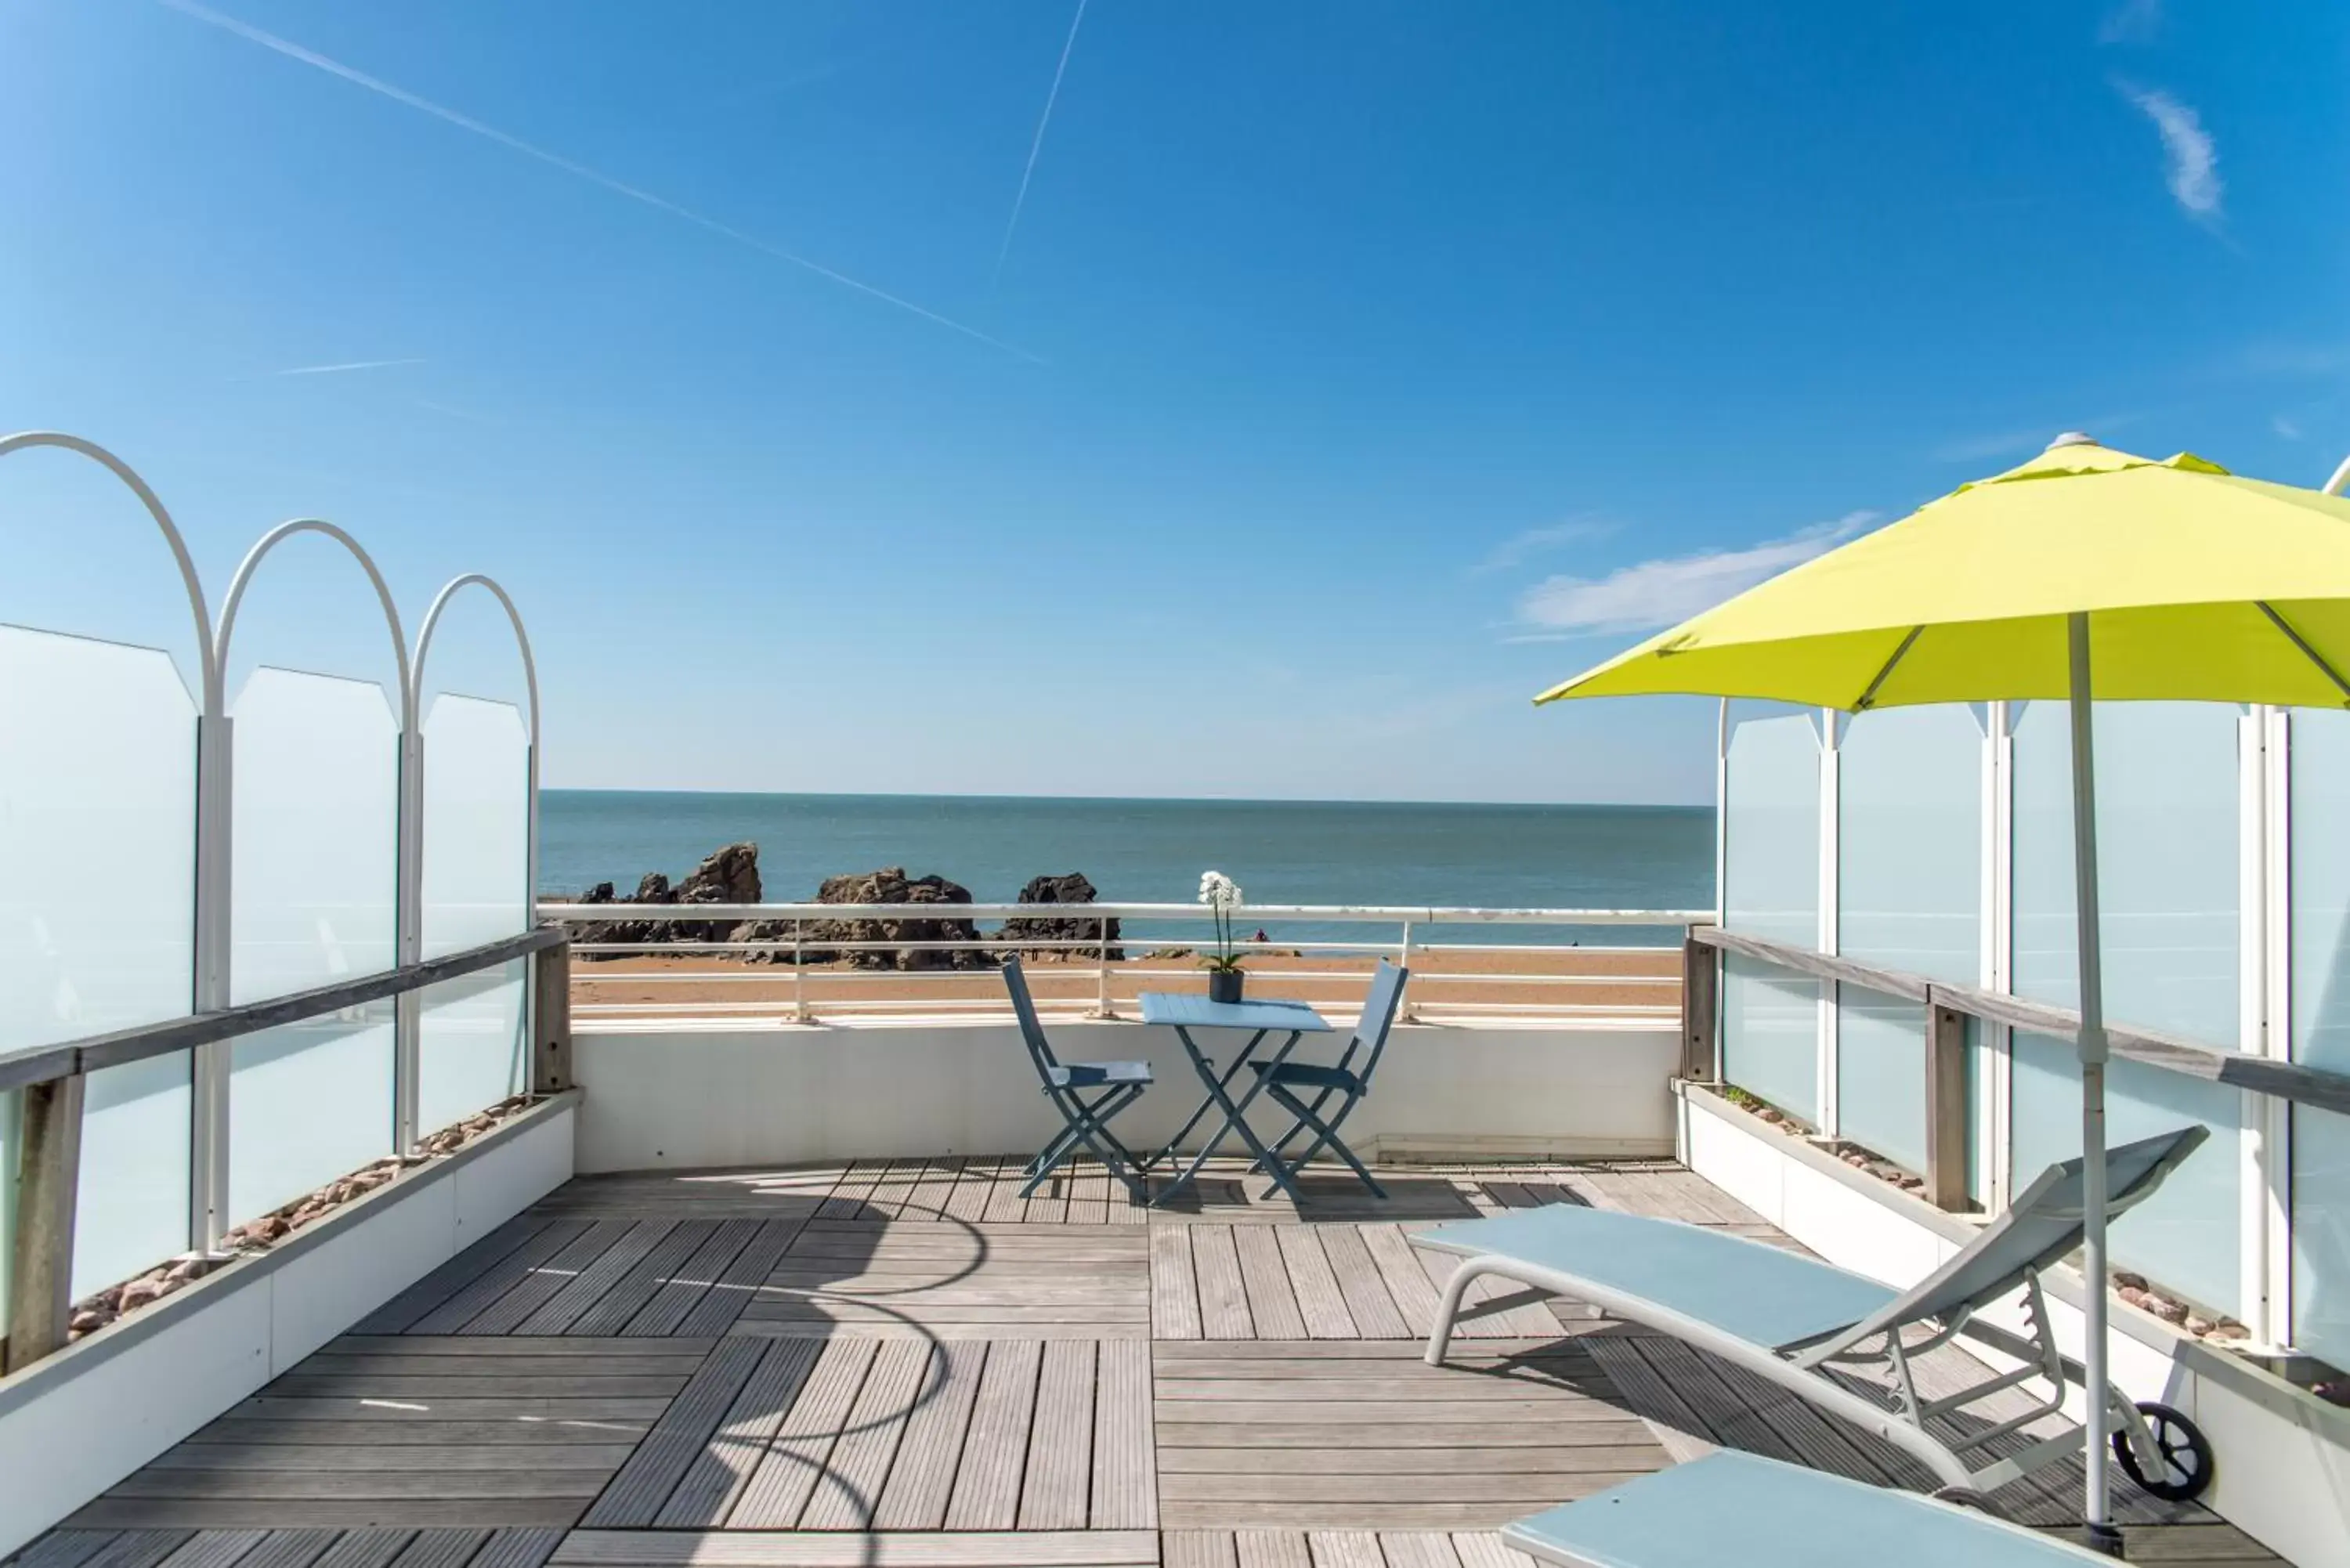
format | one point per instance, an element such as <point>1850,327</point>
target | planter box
<point>2283,1455</point>
<point>74,1424</point>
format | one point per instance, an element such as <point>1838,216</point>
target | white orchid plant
<point>1221,895</point>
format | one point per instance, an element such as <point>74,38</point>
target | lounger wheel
<point>2186,1454</point>
<point>1968,1496</point>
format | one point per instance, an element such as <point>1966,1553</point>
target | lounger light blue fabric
<point>1762,1294</point>
<point>1793,1320</point>
<point>1729,1507</point>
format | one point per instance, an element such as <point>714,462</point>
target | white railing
<point>812,979</point>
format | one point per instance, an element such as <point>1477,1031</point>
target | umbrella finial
<point>2073,438</point>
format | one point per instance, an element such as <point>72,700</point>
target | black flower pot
<point>1224,984</point>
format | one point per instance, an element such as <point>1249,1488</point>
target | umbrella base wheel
<point>2186,1470</point>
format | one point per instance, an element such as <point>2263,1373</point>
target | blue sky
<point>1351,371</point>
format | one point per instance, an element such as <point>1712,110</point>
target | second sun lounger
<point>1793,1320</point>
<point>1734,1508</point>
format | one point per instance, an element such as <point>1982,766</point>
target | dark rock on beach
<point>890,885</point>
<point>1018,935</point>
<point>729,875</point>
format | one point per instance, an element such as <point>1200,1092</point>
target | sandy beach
<point>1590,980</point>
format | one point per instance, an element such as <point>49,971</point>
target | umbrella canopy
<point>2086,573</point>
<point>2199,585</point>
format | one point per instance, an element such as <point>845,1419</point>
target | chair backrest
<point>2040,1228</point>
<point>1381,1004</point>
<point>1024,1007</point>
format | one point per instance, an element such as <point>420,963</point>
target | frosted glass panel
<point>132,1211</point>
<point>2185,1237</point>
<point>2167,857</point>
<point>1770,1033</point>
<point>476,823</point>
<point>473,1051</point>
<point>1910,889</point>
<point>308,1102</point>
<point>2321,1233</point>
<point>2321,1030</point>
<point>316,863</point>
<point>98,839</point>
<point>1770,878</point>
<point>10,1107</point>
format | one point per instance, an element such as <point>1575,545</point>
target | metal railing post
<point>1403,960</point>
<point>1101,994</point>
<point>209,1065</point>
<point>407,1057</point>
<point>40,1270</point>
<point>550,1056</point>
<point>1946,1108</point>
<point>799,975</point>
<point>1701,1011</point>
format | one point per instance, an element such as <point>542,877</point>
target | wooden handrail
<point>2280,1080</point>
<point>41,1064</point>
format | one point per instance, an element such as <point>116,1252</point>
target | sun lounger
<point>1734,1508</point>
<point>1796,1321</point>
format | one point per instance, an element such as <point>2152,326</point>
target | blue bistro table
<point>1185,1011</point>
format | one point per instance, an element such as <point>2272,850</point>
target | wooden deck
<point>905,1365</point>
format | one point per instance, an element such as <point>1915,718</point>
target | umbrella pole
<point>2097,1505</point>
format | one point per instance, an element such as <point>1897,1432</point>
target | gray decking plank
<point>636,1494</point>
<point>1273,1548</point>
<point>1344,1549</point>
<point>779,1488</point>
<point>1319,1300</point>
<point>1368,1302</point>
<point>987,1488</point>
<point>216,1548</point>
<point>850,1488</point>
<point>436,1287</point>
<point>923,1480</point>
<point>1224,1298</point>
<point>1054,1491</point>
<point>568,1305</point>
<point>1174,1289</point>
<point>518,1547</point>
<point>501,1275</point>
<point>859,1549</point>
<point>441,1549</point>
<point>706,1492</point>
<point>543,1282</point>
<point>610,1312</point>
<point>1418,1549</point>
<point>1126,1468</point>
<point>1198,1549</point>
<point>1273,1304</point>
<point>736,1287</point>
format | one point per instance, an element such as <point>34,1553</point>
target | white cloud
<point>1657,593</point>
<point>2194,161</point>
<point>2131,22</point>
<point>1520,548</point>
<point>2284,427</point>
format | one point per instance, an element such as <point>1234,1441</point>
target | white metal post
<point>1403,960</point>
<point>1831,723</point>
<point>408,1007</point>
<point>2274,1194</point>
<point>2097,1505</point>
<point>209,1066</point>
<point>1996,1149</point>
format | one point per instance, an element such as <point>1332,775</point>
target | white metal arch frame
<point>26,441</point>
<point>407,1095</point>
<point>215,835</point>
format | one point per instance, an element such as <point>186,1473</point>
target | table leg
<point>1235,1118</point>
<point>1202,1065</point>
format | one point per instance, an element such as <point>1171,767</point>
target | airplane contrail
<point>352,365</point>
<point>294,51</point>
<point>1037,144</point>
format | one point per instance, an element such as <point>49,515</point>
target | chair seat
<point>1309,1076</point>
<point>1087,1074</point>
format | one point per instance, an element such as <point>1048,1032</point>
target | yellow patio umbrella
<point>2084,573</point>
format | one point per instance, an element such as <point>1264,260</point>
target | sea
<point>1153,851</point>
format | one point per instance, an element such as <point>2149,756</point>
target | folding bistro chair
<point>1285,1081</point>
<point>1066,1085</point>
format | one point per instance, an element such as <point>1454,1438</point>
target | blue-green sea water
<point>1152,851</point>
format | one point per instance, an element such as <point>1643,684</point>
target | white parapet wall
<point>74,1424</point>
<point>2282,1455</point>
<point>688,1096</point>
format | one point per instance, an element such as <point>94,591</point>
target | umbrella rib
<point>2307,653</point>
<point>1869,696</point>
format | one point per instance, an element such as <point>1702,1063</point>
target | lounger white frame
<point>2040,1228</point>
